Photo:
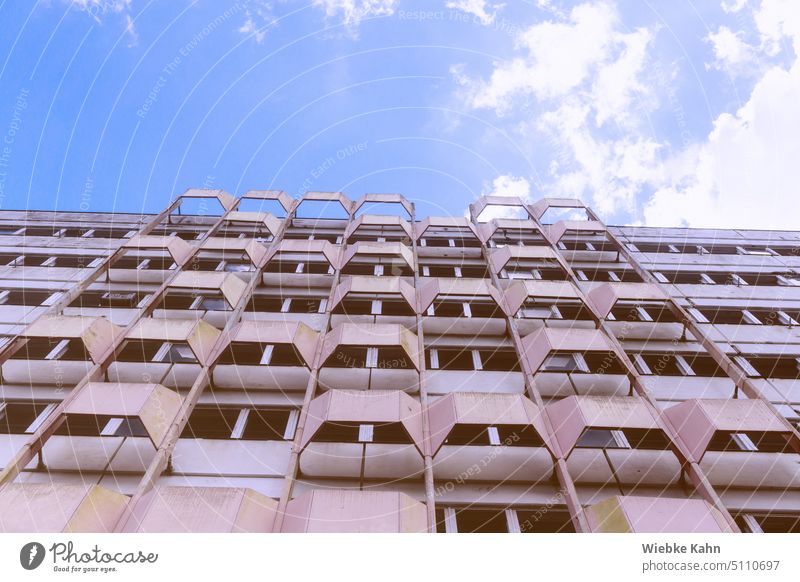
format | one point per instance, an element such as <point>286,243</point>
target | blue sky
<point>654,112</point>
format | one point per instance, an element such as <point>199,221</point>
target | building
<point>324,364</point>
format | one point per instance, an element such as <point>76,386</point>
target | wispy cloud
<point>589,102</point>
<point>352,12</point>
<point>99,10</point>
<point>483,10</point>
<point>258,19</point>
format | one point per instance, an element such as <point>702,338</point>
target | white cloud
<point>746,172</point>
<point>352,12</point>
<point>480,9</point>
<point>547,70</point>
<point>590,102</point>
<point>776,21</point>
<point>258,19</point>
<point>99,9</point>
<point>731,53</point>
<point>506,186</point>
<point>733,6</point>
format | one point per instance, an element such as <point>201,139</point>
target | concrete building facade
<point>271,364</point>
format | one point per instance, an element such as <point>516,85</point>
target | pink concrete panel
<point>489,228</point>
<point>556,231</point>
<point>371,334</point>
<point>539,344</point>
<point>519,291</point>
<point>344,511</point>
<point>605,296</point>
<point>367,285</point>
<point>179,249</point>
<point>298,334</point>
<point>254,251</point>
<point>231,286</point>
<point>499,258</point>
<point>203,510</point>
<point>367,407</point>
<point>540,207</point>
<point>380,249</point>
<point>639,514</point>
<point>572,415</point>
<point>97,333</point>
<point>201,336</point>
<point>377,220</point>
<point>58,507</point>
<point>697,420</point>
<point>385,199</point>
<point>226,200</point>
<point>485,409</point>
<point>449,222</point>
<point>485,201</point>
<point>346,203</point>
<point>155,405</point>
<point>440,287</point>
<point>286,201</point>
<point>307,247</point>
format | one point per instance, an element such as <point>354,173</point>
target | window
<point>28,298</point>
<point>255,354</point>
<point>787,368</point>
<point>677,365</point>
<point>16,417</point>
<point>268,424</point>
<point>99,299</point>
<point>565,363</point>
<point>545,520</point>
<point>52,349</point>
<point>100,425</point>
<point>369,357</point>
<point>593,438</point>
<point>769,522</point>
<point>211,423</point>
<point>467,520</point>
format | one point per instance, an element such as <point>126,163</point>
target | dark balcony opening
<point>770,522</point>
<point>291,267</point>
<point>786,368</point>
<point>451,359</point>
<point>385,433</point>
<point>534,273</point>
<point>647,439</point>
<point>603,363</point>
<point>16,417</point>
<point>210,301</point>
<point>499,360</point>
<point>97,425</point>
<point>468,435</point>
<point>545,520</point>
<point>139,350</point>
<point>337,432</point>
<point>254,354</point>
<point>595,438</point>
<point>348,357</point>
<point>621,274</point>
<point>265,424</point>
<point>475,521</point>
<point>143,263</point>
<point>627,312</point>
<point>27,298</point>
<point>211,423</point>
<point>108,299</point>
<point>157,351</point>
<point>523,435</point>
<point>54,348</point>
